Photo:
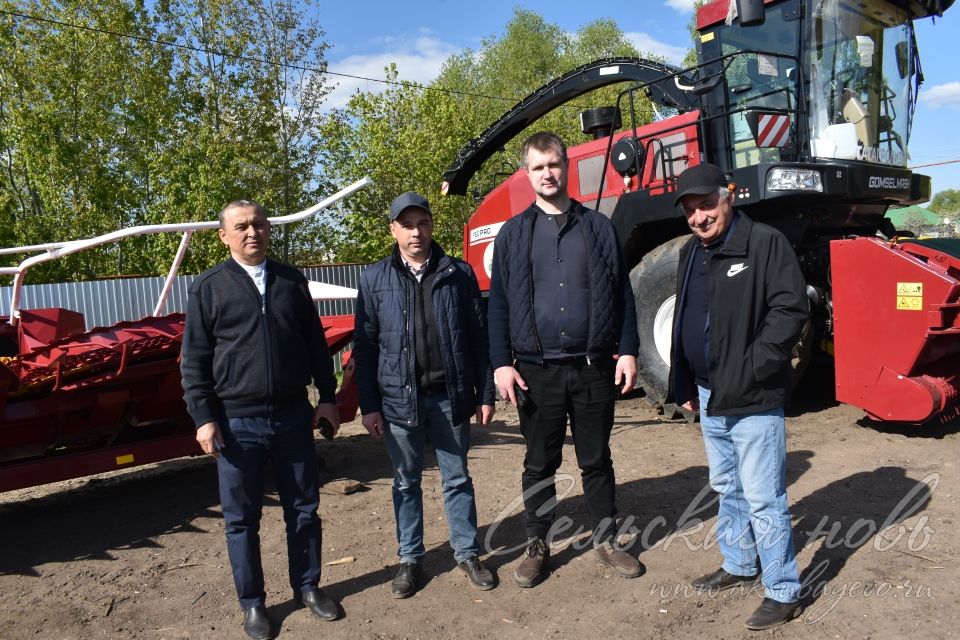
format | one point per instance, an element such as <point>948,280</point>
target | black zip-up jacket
<point>385,346</point>
<point>756,312</point>
<point>241,357</point>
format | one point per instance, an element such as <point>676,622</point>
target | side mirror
<point>904,63</point>
<point>751,12</point>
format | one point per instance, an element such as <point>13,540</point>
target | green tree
<point>114,114</point>
<point>946,202</point>
<point>405,137</point>
<point>78,114</point>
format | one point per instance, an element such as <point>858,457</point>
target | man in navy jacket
<point>423,370</point>
<point>560,309</point>
<point>252,343</point>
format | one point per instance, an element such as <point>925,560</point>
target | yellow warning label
<point>127,459</point>
<point>707,37</point>
<point>909,288</point>
<point>910,303</point>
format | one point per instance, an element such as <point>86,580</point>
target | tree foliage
<point>105,124</point>
<point>125,112</point>
<point>405,137</point>
<point>946,202</point>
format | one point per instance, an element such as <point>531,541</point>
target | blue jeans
<point>747,458</point>
<point>286,440</point>
<point>405,446</point>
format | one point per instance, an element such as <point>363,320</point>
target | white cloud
<point>418,59</point>
<point>942,95</point>
<point>681,5</point>
<point>645,43</point>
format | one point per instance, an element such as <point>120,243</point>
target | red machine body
<point>73,403</point>
<point>793,105</point>
<point>897,328</point>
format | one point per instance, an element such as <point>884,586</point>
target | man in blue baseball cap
<point>423,370</point>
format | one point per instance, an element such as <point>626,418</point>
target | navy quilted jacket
<point>613,316</point>
<point>384,334</point>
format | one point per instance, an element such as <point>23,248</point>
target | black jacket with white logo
<point>757,310</point>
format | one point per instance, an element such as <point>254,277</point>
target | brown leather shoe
<point>612,554</point>
<point>772,613</point>
<point>533,568</point>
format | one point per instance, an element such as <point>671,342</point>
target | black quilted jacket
<point>613,317</point>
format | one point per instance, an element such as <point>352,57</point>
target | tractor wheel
<point>654,283</point>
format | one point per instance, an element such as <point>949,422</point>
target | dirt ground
<point>141,554</point>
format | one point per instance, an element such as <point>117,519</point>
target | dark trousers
<point>586,394</point>
<point>286,440</point>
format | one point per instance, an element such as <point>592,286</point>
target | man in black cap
<point>422,371</point>
<point>740,309</point>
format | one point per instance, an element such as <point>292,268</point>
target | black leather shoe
<point>319,603</point>
<point>720,580</point>
<point>480,577</point>
<point>772,613</point>
<point>405,583</point>
<point>256,623</point>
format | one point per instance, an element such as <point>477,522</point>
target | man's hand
<point>485,414</point>
<point>329,411</point>
<point>373,423</point>
<point>626,373</point>
<point>208,435</point>
<point>691,405</point>
<point>505,378</point>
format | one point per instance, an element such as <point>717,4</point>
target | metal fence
<point>106,302</point>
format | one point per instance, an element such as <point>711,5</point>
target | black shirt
<point>695,328</point>
<point>561,287</point>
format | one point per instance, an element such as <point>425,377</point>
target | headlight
<point>786,179</point>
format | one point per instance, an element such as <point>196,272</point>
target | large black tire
<point>654,283</point>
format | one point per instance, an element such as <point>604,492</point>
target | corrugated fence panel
<point>107,302</point>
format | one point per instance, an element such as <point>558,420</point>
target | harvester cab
<point>807,105</point>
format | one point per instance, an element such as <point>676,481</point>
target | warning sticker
<point>909,288</point>
<point>127,459</point>
<point>910,303</point>
<point>910,296</point>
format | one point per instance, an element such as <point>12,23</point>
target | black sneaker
<point>405,582</point>
<point>480,577</point>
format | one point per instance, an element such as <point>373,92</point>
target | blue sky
<point>418,36</point>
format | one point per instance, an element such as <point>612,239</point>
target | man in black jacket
<point>252,343</point>
<point>423,369</point>
<point>740,309</point>
<point>560,309</point>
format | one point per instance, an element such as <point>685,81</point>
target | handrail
<point>55,250</point>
